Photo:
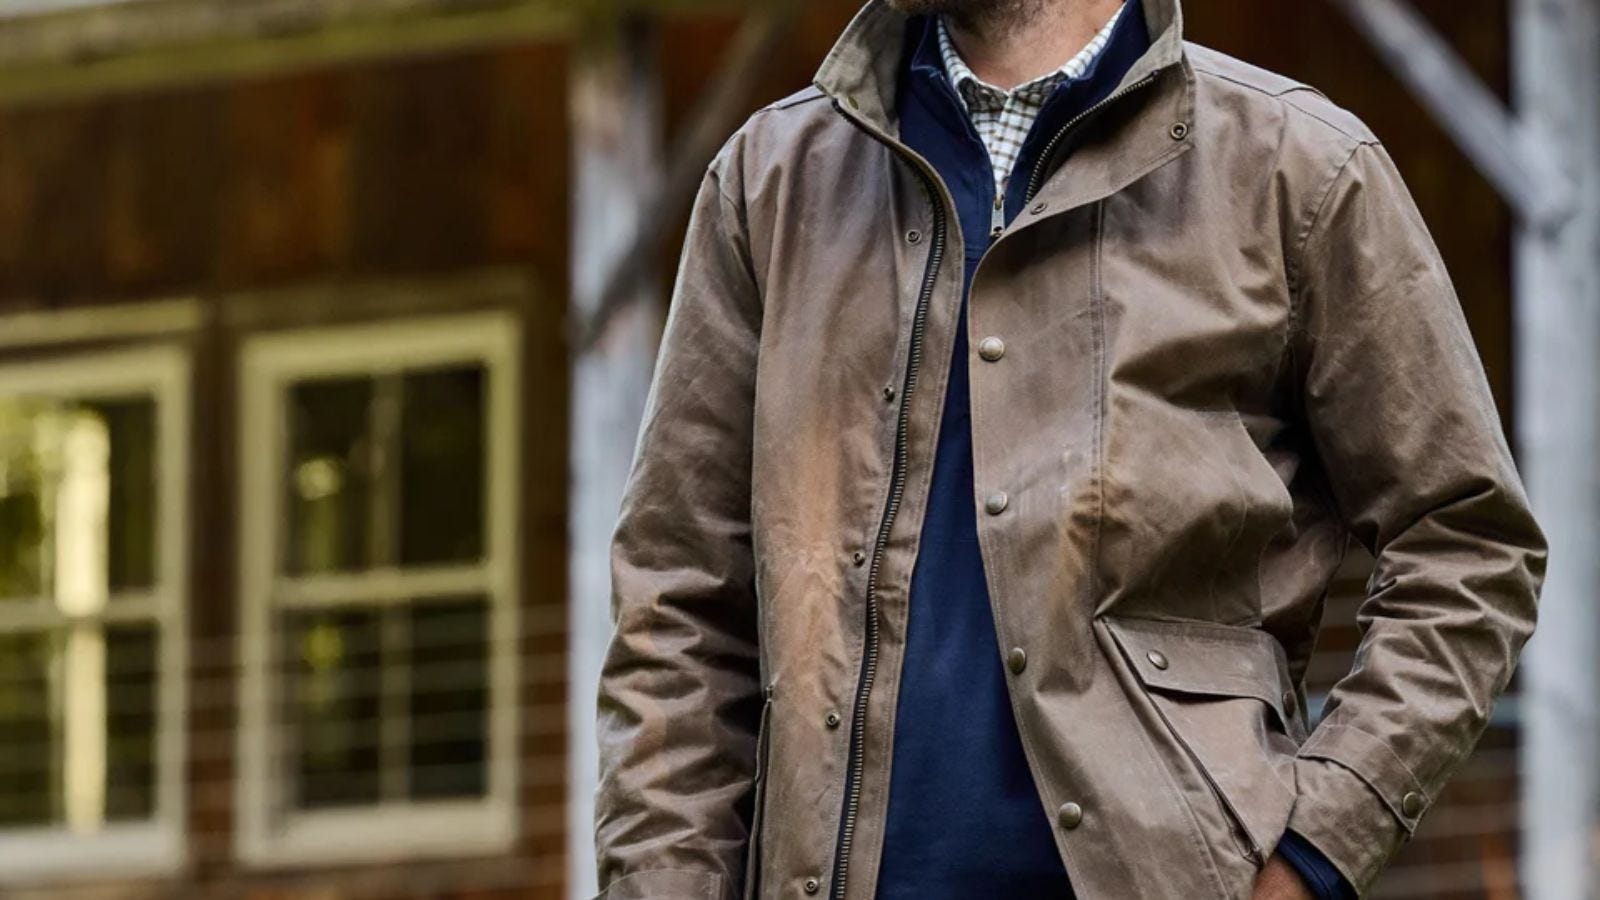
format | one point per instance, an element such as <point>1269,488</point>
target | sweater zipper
<point>897,484</point>
<point>1036,181</point>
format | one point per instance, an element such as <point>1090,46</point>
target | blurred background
<point>325,326</point>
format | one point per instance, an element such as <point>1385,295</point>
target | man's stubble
<point>978,16</point>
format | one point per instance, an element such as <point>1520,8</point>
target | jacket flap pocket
<point>1206,659</point>
<point>1223,693</point>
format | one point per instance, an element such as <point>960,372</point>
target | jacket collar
<point>861,74</point>
<point>862,69</point>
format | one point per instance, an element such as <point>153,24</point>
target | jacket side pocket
<point>1224,694</point>
<point>752,862</point>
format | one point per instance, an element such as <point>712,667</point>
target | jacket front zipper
<point>1036,180</point>
<point>897,479</point>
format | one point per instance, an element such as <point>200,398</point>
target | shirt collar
<point>974,92</point>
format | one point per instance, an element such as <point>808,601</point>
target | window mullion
<point>383,507</point>
<point>394,678</point>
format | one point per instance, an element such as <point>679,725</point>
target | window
<point>379,607</point>
<point>92,536</point>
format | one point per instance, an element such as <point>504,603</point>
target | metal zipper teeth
<point>1034,182</point>
<point>869,666</point>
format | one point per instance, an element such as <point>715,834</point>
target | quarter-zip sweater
<point>965,818</point>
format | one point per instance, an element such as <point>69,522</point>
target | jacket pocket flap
<point>1207,659</point>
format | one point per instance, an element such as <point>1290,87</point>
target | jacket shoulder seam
<point>808,94</point>
<point>1286,98</point>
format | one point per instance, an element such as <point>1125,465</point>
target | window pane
<point>22,500</point>
<point>28,733</point>
<point>131,659</point>
<point>77,727</point>
<point>77,500</point>
<point>330,478</point>
<point>131,519</point>
<point>442,474</point>
<point>334,663</point>
<point>449,700</point>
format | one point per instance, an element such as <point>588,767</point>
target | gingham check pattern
<point>1004,118</point>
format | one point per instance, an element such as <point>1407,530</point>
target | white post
<point>616,124</point>
<point>1557,75</point>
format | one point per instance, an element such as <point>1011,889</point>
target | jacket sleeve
<point>680,694</point>
<point>1398,408</point>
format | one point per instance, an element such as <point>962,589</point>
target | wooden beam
<point>1557,86</point>
<point>714,118</point>
<point>52,53</point>
<point>1489,134</point>
<point>617,125</point>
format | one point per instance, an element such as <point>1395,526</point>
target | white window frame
<point>269,364</point>
<point>156,846</point>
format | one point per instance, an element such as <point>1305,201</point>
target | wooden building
<point>286,378</point>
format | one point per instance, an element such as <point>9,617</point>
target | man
<point>1025,381</point>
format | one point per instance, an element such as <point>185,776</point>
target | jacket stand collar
<point>863,69</point>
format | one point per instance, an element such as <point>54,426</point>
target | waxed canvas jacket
<point>1216,347</point>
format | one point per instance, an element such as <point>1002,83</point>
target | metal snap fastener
<point>858,558</point>
<point>1179,131</point>
<point>1070,815</point>
<point>991,349</point>
<point>831,719</point>
<point>812,885</point>
<point>996,503</point>
<point>888,393</point>
<point>1017,660</point>
<point>1412,804</point>
<point>913,236</point>
<point>1157,659</point>
<point>1039,208</point>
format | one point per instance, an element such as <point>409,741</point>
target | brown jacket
<point>1223,345</point>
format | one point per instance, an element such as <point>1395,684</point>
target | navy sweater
<point>964,817</point>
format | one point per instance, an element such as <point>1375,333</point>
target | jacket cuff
<point>1349,822</point>
<point>667,884</point>
<point>1320,875</point>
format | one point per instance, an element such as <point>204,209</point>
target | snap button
<point>1179,131</point>
<point>812,885</point>
<point>913,236</point>
<point>991,349</point>
<point>1039,208</point>
<point>1070,815</point>
<point>831,719</point>
<point>858,557</point>
<point>1157,659</point>
<point>996,503</point>
<point>1412,803</point>
<point>1017,660</point>
<point>888,393</point>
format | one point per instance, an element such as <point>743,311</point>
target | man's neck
<point>1016,45</point>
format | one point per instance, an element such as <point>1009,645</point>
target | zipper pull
<point>997,222</point>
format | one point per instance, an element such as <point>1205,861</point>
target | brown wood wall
<point>405,167</point>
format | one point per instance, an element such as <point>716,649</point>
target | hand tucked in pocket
<point>1280,881</point>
